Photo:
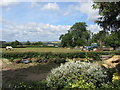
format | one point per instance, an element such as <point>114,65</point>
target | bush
<point>81,83</point>
<point>111,86</point>
<point>48,55</point>
<point>59,60</point>
<point>69,72</point>
<point>116,76</point>
<point>24,85</point>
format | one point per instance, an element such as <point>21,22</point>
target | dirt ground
<point>25,72</point>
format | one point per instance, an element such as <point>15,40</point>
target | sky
<point>44,21</point>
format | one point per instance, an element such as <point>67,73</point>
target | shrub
<point>81,83</point>
<point>116,76</point>
<point>25,85</point>
<point>48,55</point>
<point>70,71</point>
<point>59,60</point>
<point>111,86</point>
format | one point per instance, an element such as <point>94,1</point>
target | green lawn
<point>56,50</point>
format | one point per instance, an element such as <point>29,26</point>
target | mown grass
<point>54,50</point>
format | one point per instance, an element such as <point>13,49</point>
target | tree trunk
<point>114,48</point>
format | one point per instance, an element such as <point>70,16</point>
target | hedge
<point>94,55</point>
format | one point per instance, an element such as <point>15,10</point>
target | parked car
<point>94,45</point>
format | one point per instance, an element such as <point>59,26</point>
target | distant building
<point>52,43</point>
<point>55,42</point>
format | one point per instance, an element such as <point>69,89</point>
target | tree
<point>78,35</point>
<point>15,43</point>
<point>99,36</point>
<point>28,43</point>
<point>110,15</point>
<point>37,43</point>
<point>113,39</point>
<point>66,40</point>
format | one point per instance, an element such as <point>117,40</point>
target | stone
<point>113,62</point>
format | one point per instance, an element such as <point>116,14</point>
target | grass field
<point>55,50</point>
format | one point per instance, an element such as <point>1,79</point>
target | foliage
<point>24,85</point>
<point>48,55</point>
<point>15,43</point>
<point>110,15</point>
<point>71,72</point>
<point>113,39</point>
<point>27,43</point>
<point>108,39</point>
<point>78,35</point>
<point>100,36</point>
<point>116,76</point>
<point>81,83</point>
<point>37,43</point>
<point>111,86</point>
<point>59,60</point>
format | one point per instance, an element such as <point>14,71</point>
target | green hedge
<point>94,55</point>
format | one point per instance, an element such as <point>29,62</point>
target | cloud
<point>51,7</point>
<point>6,3</point>
<point>94,28</point>
<point>33,31</point>
<point>84,7</point>
<point>87,9</point>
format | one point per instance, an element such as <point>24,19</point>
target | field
<point>54,50</point>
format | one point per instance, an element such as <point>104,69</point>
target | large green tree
<point>78,35</point>
<point>113,39</point>
<point>100,36</point>
<point>109,15</point>
<point>66,40</point>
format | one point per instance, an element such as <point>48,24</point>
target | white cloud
<point>51,6</point>
<point>87,9</point>
<point>94,28</point>
<point>5,3</point>
<point>33,31</point>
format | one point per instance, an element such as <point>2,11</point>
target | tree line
<point>78,35</point>
<point>17,43</point>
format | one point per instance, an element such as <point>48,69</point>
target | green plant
<point>25,85</point>
<point>59,60</point>
<point>62,76</point>
<point>49,55</point>
<point>116,76</point>
<point>81,82</point>
<point>111,86</point>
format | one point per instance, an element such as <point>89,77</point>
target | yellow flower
<point>116,76</point>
